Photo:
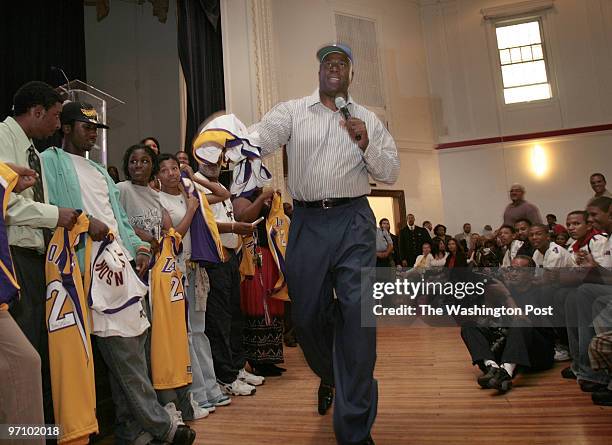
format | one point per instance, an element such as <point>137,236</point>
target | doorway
<point>389,204</point>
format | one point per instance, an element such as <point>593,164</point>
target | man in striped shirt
<point>332,234</point>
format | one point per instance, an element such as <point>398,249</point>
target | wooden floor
<point>427,395</point>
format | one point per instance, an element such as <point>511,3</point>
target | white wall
<point>476,180</point>
<point>465,78</point>
<point>467,102</point>
<point>134,57</point>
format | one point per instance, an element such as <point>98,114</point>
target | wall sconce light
<point>539,161</point>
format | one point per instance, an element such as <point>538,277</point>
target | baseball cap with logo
<point>334,48</point>
<point>81,112</point>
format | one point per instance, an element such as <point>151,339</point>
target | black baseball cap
<point>81,112</point>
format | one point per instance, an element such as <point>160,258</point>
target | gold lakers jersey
<point>170,361</point>
<point>247,260</point>
<point>277,227</point>
<point>8,281</point>
<point>70,356</point>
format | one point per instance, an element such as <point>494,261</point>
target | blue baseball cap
<point>334,48</point>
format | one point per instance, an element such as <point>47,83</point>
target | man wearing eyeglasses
<point>332,234</point>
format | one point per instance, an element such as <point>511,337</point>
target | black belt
<point>326,203</point>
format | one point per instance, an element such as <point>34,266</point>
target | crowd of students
<point>171,275</point>
<point>568,268</point>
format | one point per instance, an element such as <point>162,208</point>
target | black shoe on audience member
<point>501,381</point>
<point>587,386</point>
<point>267,370</point>
<point>290,340</point>
<point>603,398</point>
<point>183,435</point>
<point>567,373</point>
<point>326,397</point>
<point>484,379</point>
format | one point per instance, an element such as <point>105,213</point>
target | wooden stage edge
<point>427,395</point>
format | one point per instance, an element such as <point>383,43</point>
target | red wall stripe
<point>525,136</point>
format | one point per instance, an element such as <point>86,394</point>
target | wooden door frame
<point>396,195</point>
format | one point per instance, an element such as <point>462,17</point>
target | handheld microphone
<point>343,108</point>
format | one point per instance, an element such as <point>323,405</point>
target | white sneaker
<point>561,354</point>
<point>238,388</point>
<point>198,411</point>
<point>175,415</point>
<point>251,379</point>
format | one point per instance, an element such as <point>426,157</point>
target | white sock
<point>509,367</point>
<point>491,363</point>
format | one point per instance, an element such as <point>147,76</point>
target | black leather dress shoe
<point>501,380</point>
<point>484,379</point>
<point>602,398</point>
<point>368,441</point>
<point>326,397</point>
<point>183,435</point>
<point>587,386</point>
<point>567,373</point>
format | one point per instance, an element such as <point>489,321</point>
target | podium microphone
<point>343,108</point>
<point>68,91</point>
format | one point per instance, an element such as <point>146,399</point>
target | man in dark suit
<point>411,241</point>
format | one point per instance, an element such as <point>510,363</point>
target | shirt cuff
<point>49,216</point>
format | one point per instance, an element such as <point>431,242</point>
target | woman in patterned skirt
<point>263,329</point>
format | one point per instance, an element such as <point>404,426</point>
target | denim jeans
<point>137,411</point>
<point>580,330</point>
<point>204,387</point>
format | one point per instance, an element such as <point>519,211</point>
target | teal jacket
<point>63,190</point>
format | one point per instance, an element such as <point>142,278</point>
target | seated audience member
<point>510,245</point>
<point>423,261</point>
<point>600,348</point>
<point>499,354</point>
<point>429,227</point>
<point>152,143</point>
<point>598,184</point>
<point>456,256</point>
<point>521,228</point>
<point>547,253</point>
<point>562,239</point>
<point>519,208</point>
<point>585,239</point>
<point>440,234</point>
<point>83,184</point>
<point>475,243</point>
<point>600,355</point>
<point>553,228</point>
<point>465,237</point>
<point>438,253</point>
<point>384,244</point>
<point>488,253</point>
<point>487,230</point>
<point>113,173</point>
<point>580,303</point>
